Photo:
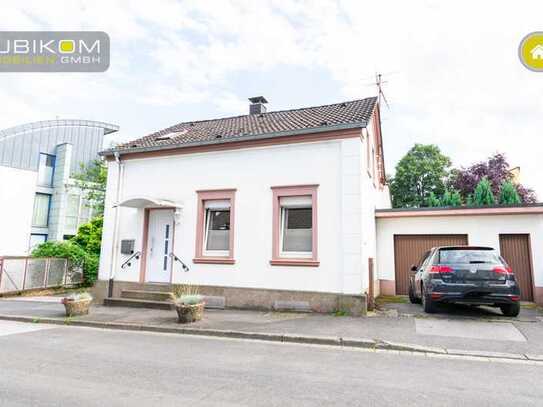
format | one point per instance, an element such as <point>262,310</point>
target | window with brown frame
<point>295,226</point>
<point>215,227</point>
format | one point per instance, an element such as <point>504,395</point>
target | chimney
<point>257,105</point>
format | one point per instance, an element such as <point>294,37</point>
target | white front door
<point>159,246</point>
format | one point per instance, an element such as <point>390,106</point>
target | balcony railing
<point>30,273</point>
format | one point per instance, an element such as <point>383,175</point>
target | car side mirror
<point>414,268</point>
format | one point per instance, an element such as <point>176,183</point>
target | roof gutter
<point>523,209</point>
<point>276,134</point>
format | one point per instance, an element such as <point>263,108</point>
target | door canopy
<point>145,202</point>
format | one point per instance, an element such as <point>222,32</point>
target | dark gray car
<point>465,275</point>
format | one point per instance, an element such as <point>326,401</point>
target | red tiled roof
<point>279,123</point>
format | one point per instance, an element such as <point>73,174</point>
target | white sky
<point>454,78</point>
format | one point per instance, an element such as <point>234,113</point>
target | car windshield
<point>473,256</point>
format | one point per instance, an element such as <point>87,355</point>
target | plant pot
<point>76,307</point>
<point>189,313</point>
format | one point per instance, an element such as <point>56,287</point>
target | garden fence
<point>30,273</point>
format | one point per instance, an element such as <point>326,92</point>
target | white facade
<point>17,190</point>
<point>346,202</point>
<point>483,230</point>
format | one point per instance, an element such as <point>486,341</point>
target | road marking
<point>14,328</point>
<point>496,331</point>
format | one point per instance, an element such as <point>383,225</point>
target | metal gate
<point>515,249</point>
<point>408,249</point>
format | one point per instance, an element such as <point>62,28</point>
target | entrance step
<point>146,295</point>
<point>136,303</point>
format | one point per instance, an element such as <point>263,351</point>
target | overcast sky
<point>452,71</point>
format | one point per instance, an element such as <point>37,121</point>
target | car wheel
<point>510,310</point>
<point>412,297</point>
<point>428,305</point>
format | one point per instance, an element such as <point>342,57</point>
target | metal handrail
<point>185,267</point>
<point>128,261</point>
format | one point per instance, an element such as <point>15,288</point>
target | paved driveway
<point>401,306</point>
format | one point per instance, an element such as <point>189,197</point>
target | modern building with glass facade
<point>39,200</point>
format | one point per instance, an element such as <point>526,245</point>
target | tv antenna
<point>380,94</point>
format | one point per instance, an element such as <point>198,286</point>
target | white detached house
<point>267,210</point>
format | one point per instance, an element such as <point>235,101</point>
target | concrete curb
<point>363,343</point>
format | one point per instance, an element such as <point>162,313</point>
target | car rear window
<point>473,256</point>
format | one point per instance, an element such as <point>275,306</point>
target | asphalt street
<point>43,365</point>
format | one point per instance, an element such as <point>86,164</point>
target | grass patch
<point>391,299</point>
<point>341,313</point>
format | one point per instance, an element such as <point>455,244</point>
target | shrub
<point>451,198</point>
<point>483,195</point>
<point>509,194</point>
<point>89,236</point>
<point>432,200</point>
<point>456,199</point>
<point>77,256</point>
<point>189,299</point>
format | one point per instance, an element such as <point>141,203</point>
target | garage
<point>403,235</point>
<point>515,249</point>
<point>408,249</point>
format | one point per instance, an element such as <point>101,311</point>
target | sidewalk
<point>396,326</point>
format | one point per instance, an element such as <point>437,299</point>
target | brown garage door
<point>515,249</point>
<point>409,248</point>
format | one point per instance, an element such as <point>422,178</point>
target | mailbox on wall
<point>127,246</point>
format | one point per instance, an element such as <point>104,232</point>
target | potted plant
<point>188,303</point>
<point>77,304</point>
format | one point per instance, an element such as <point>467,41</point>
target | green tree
<point>89,236</point>
<point>446,198</point>
<point>456,199</point>
<point>420,172</point>
<point>483,196</point>
<point>451,198</point>
<point>509,194</point>
<point>432,201</point>
<point>92,181</point>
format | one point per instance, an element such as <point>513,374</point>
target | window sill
<point>295,262</point>
<point>213,260</point>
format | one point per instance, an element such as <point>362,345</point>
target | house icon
<point>537,52</point>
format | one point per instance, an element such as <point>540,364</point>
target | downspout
<point>114,243</point>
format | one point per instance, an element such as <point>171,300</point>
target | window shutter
<point>217,204</point>
<point>296,201</point>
